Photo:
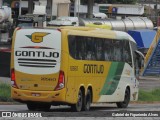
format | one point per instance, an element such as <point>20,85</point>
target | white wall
<point>24,4</point>
<point>43,2</point>
<point>63,9</point>
<point>55,5</point>
<point>82,9</point>
<point>54,9</point>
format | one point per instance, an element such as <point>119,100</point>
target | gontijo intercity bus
<point>74,66</point>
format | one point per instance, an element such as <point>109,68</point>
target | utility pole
<point>20,7</point>
<point>90,8</point>
<point>30,6</point>
<point>1,3</point>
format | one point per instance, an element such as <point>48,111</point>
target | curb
<point>10,103</point>
<point>145,102</point>
<point>149,78</point>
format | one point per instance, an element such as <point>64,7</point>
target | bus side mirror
<point>140,58</point>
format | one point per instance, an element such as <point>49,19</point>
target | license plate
<point>36,94</point>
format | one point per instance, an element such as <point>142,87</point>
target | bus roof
<point>95,32</point>
<point>98,32</point>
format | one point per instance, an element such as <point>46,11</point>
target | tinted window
<point>100,49</point>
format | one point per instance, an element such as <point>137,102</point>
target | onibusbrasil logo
<point>20,114</point>
<point>37,37</point>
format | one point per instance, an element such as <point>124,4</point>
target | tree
<point>90,8</point>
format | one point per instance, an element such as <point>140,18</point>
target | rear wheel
<point>125,103</point>
<point>78,106</point>
<point>88,100</point>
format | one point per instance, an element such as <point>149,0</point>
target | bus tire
<point>125,103</point>
<point>32,106</point>
<point>78,106</point>
<point>88,101</point>
<point>44,107</point>
<point>38,106</point>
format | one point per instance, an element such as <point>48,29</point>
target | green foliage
<point>7,2</point>
<point>150,96</point>
<point>5,93</point>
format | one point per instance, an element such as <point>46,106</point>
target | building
<point>152,10</point>
<point>121,10</point>
<point>79,8</point>
<point>54,8</point>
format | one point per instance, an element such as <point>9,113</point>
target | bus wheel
<point>125,103</point>
<point>88,100</point>
<point>38,106</point>
<point>32,106</point>
<point>44,107</point>
<point>78,106</point>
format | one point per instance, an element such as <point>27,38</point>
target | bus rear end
<point>35,68</point>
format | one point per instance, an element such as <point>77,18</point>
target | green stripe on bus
<point>113,78</point>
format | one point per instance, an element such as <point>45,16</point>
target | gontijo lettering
<point>37,54</point>
<point>93,68</point>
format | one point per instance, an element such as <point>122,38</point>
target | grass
<point>5,93</point>
<point>149,96</point>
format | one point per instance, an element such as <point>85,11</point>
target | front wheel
<point>125,103</point>
<point>78,106</point>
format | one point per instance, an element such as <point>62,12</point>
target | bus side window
<point>117,51</point>
<point>99,52</point>
<point>106,47</point>
<point>93,49</point>
<point>83,48</point>
<point>88,48</point>
<point>78,47</point>
<point>72,46</point>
